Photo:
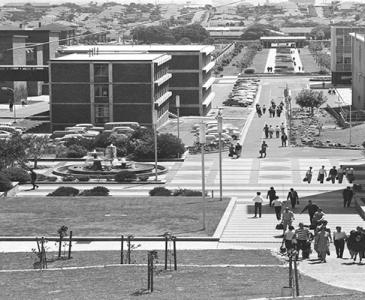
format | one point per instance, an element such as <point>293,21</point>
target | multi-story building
<point>191,68</point>
<point>341,53</point>
<point>358,71</point>
<point>98,88</point>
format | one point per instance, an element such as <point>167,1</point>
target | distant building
<point>282,41</point>
<point>358,70</point>
<point>341,53</point>
<point>98,88</point>
<point>224,32</point>
<point>191,68</point>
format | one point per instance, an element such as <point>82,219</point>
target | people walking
<point>293,197</point>
<point>238,150</point>
<point>270,112</point>
<point>308,175</point>
<point>231,150</point>
<point>263,109</point>
<point>278,111</point>
<point>266,130</point>
<point>350,174</point>
<point>282,128</point>
<point>340,174</point>
<point>258,204</point>
<point>271,195</point>
<point>287,218</point>
<point>271,131</point>
<point>277,131</point>
<point>318,218</point>
<point>339,238</point>
<point>311,208</point>
<point>321,244</point>
<point>332,174</point>
<point>263,149</point>
<point>322,173</point>
<point>347,195</point>
<point>277,207</point>
<point>289,239</point>
<point>302,236</point>
<point>284,139</point>
<point>33,179</point>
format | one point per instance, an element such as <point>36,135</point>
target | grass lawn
<point>259,61</point>
<point>108,216</point>
<point>19,261</point>
<point>189,282</point>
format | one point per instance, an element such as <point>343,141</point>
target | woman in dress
<point>321,243</point>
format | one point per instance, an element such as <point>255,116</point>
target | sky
<point>216,2</point>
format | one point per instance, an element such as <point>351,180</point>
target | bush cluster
<point>162,191</point>
<point>5,183</point>
<point>96,191</point>
<point>64,191</point>
<point>16,174</point>
<point>125,176</point>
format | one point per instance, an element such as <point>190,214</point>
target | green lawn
<point>108,216</point>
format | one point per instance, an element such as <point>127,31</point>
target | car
<point>11,129</point>
<point>76,129</point>
<point>70,136</point>
<point>85,125</point>
<point>121,130</point>
<point>62,133</point>
<point>4,134</point>
<point>111,125</point>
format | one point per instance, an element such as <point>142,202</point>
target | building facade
<point>99,88</point>
<point>341,53</point>
<point>191,68</point>
<point>358,71</point>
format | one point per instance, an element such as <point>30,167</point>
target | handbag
<point>279,226</point>
<point>328,178</point>
<point>297,201</point>
<point>305,179</point>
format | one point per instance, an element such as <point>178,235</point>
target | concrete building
<point>98,88</point>
<point>341,53</point>
<point>358,71</point>
<point>191,68</point>
<point>224,32</point>
<point>283,41</point>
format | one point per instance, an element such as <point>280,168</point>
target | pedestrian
<point>284,139</point>
<point>263,109</point>
<point>289,239</point>
<point>24,102</point>
<point>356,243</point>
<point>339,238</point>
<point>321,244</point>
<point>273,109</point>
<point>273,104</point>
<point>238,150</point>
<point>271,131</point>
<point>347,194</point>
<point>277,207</point>
<point>287,218</point>
<point>311,208</point>
<point>259,112</point>
<point>308,175</point>
<point>271,195</point>
<point>263,149</point>
<point>11,105</point>
<point>258,204</point>
<point>266,130</point>
<point>302,236</point>
<point>232,152</point>
<point>332,174</point>
<point>293,197</point>
<point>270,111</point>
<point>277,131</point>
<point>318,218</point>
<point>350,174</point>
<point>282,128</point>
<point>322,173</point>
<point>278,111</point>
<point>33,179</point>
<point>299,68</point>
<point>340,174</point>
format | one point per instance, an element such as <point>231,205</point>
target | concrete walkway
<point>270,62</point>
<point>298,62</point>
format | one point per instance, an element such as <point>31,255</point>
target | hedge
<point>64,191</point>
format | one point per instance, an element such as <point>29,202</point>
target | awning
<point>163,99</point>
<point>163,79</point>
<point>209,66</point>
<point>208,99</point>
<point>209,83</point>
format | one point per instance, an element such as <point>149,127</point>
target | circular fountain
<point>105,166</point>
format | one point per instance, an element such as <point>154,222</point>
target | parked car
<point>111,125</point>
<point>4,134</point>
<point>62,133</point>
<point>90,126</point>
<point>120,130</point>
<point>11,129</point>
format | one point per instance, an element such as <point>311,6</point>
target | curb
<point>225,218</point>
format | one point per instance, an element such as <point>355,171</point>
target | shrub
<point>249,71</point>
<point>125,176</point>
<point>16,174</point>
<point>41,177</point>
<point>52,178</point>
<point>76,151</point>
<point>83,178</point>
<point>64,191</point>
<point>143,177</point>
<point>96,191</point>
<point>160,191</point>
<point>5,183</point>
<point>187,193</point>
<point>169,146</point>
<point>68,178</point>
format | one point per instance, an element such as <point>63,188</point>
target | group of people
<point>273,109</point>
<point>269,131</point>
<point>333,174</point>
<point>235,150</point>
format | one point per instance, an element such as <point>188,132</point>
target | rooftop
<point>207,49</point>
<point>158,58</point>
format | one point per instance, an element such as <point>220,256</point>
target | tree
<point>153,34</point>
<point>12,150</point>
<point>321,32</point>
<point>184,41</point>
<point>195,32</point>
<point>36,147</point>
<point>310,99</point>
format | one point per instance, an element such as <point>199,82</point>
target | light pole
<point>202,140</point>
<point>154,121</point>
<point>4,88</point>
<point>289,100</point>
<point>178,115</point>
<point>220,129</point>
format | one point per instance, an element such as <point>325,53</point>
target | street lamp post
<point>178,115</point>
<point>11,101</point>
<point>202,141</point>
<point>154,121</point>
<point>220,129</point>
